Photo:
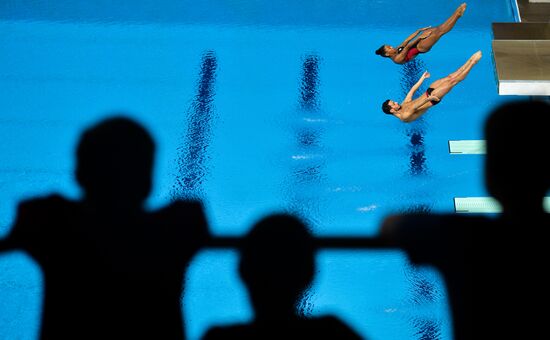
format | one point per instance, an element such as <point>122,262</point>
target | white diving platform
<point>521,56</point>
<point>467,147</point>
<point>482,205</point>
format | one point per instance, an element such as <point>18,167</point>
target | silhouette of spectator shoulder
<point>474,252</point>
<point>517,174</point>
<point>277,265</point>
<point>111,268</point>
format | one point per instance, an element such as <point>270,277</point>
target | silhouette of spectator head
<point>115,163</point>
<point>277,265</point>
<point>516,172</point>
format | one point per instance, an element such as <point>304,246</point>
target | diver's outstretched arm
<point>410,37</point>
<point>415,87</point>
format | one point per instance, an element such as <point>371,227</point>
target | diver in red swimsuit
<point>413,52</point>
<point>420,41</point>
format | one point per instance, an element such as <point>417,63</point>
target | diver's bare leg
<point>466,68</point>
<point>436,33</point>
<point>449,23</point>
<point>445,85</point>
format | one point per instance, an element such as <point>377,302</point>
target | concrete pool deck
<point>530,11</point>
<point>521,52</point>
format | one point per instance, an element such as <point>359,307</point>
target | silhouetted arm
<point>189,225</point>
<point>32,224</point>
<point>7,244</point>
<point>200,229</point>
<point>427,238</point>
<point>407,230</point>
<point>15,239</point>
<point>215,334</point>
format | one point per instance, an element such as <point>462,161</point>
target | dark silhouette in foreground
<point>493,267</point>
<point>111,269</point>
<point>277,265</point>
<point>517,171</point>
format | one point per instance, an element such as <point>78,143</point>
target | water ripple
<point>192,167</point>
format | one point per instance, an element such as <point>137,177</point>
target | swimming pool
<point>256,107</point>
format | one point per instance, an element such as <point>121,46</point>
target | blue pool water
<point>256,106</point>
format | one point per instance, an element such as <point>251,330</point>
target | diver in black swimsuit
<point>410,109</point>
